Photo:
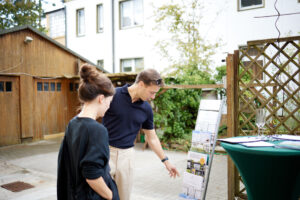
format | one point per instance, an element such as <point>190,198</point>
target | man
<point>128,113</point>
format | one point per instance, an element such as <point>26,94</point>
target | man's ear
<point>141,84</point>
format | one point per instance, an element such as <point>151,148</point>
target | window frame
<point>100,63</point>
<point>2,83</point>
<point>52,87</point>
<point>46,86</point>
<point>132,17</point>
<point>8,86</point>
<point>99,29</point>
<point>239,8</point>
<point>78,25</point>
<point>58,86</point>
<point>133,60</point>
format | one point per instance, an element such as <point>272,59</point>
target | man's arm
<point>155,145</point>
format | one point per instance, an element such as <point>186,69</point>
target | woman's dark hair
<point>150,77</point>
<point>93,83</point>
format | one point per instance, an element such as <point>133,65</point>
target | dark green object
<point>267,172</point>
<point>142,138</point>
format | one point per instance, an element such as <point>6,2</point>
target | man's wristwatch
<point>166,158</point>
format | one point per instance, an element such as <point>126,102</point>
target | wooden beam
<point>273,40</point>
<point>230,129</point>
<point>201,86</point>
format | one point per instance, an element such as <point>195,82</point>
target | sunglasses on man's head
<point>158,81</point>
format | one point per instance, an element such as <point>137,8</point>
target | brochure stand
<point>200,156</point>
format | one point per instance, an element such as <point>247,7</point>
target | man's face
<point>148,93</point>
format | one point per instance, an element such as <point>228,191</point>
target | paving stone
<point>36,163</point>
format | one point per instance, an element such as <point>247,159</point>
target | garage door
<point>9,110</point>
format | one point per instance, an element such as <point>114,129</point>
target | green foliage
<point>184,44</point>
<point>20,12</point>
<point>221,72</point>
<point>190,58</point>
<point>177,108</point>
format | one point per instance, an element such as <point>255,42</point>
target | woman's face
<point>105,105</point>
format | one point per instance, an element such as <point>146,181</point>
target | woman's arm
<point>99,186</point>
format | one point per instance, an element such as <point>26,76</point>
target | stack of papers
<point>287,137</point>
<point>240,139</point>
<point>289,145</point>
<point>258,144</point>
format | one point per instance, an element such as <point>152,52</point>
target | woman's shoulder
<point>96,130</point>
<point>92,126</point>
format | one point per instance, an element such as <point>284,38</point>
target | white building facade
<point>117,39</point>
<point>119,36</point>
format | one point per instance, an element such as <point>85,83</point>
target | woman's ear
<point>101,98</point>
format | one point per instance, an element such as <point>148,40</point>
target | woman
<point>83,171</point>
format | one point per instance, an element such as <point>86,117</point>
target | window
<point>71,87</point>
<point>58,86</point>
<point>39,86</point>
<point>52,86</point>
<point>131,13</point>
<point>100,63</point>
<point>5,86</point>
<point>249,4</point>
<point>76,86</point>
<point>1,86</point>
<point>80,22</point>
<point>132,65</point>
<point>100,18</point>
<point>57,24</point>
<point>8,86</point>
<point>46,86</point>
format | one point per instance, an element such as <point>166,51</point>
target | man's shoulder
<point>147,106</point>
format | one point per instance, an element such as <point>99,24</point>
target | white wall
<point>93,45</point>
<point>222,22</point>
<point>237,27</point>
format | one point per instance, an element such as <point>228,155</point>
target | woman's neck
<point>89,111</point>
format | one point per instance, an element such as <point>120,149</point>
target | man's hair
<point>150,77</point>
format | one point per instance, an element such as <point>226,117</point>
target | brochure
<point>240,139</point>
<point>197,163</point>
<point>287,137</point>
<point>258,144</point>
<point>289,145</point>
<point>192,186</point>
<point>201,141</point>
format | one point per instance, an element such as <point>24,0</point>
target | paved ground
<point>36,163</point>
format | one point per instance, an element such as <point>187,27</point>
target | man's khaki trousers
<point>121,164</point>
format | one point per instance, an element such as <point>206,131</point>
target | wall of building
<point>136,42</point>
<point>233,28</point>
<point>221,22</point>
<point>31,113</point>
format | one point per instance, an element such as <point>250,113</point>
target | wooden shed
<point>38,85</point>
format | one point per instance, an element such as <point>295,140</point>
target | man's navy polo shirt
<point>124,119</point>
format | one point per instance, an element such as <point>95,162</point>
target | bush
<point>177,109</point>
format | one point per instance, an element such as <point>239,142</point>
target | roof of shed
<point>43,35</point>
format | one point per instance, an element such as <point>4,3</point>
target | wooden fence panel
<point>263,74</point>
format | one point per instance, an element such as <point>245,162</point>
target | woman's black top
<point>83,154</point>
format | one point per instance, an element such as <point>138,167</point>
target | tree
<point>184,46</point>
<point>190,58</point>
<point>21,12</point>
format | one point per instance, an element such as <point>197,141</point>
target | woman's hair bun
<point>93,83</point>
<point>87,73</point>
